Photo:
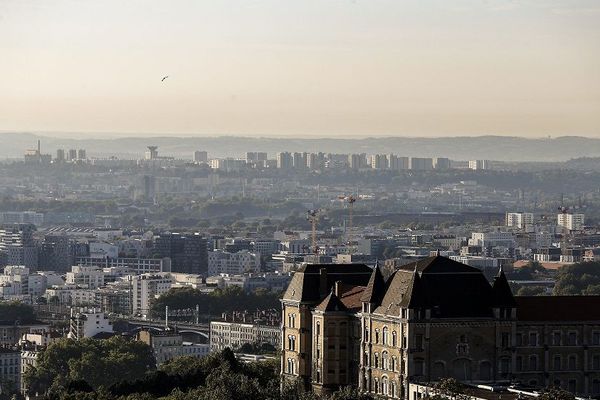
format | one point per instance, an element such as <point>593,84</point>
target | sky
<point>301,67</point>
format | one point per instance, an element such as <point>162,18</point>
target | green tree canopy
<point>578,279</point>
<point>97,363</point>
<point>16,311</point>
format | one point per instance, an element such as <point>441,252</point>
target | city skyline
<point>345,68</point>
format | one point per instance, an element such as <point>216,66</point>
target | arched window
<point>376,385</point>
<point>384,385</point>
<point>393,389</point>
<point>376,360</point>
<point>394,339</point>
<point>376,336</point>
<point>318,328</point>
<point>384,360</point>
<point>384,336</point>
<point>393,364</point>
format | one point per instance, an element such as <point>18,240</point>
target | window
<point>556,336</point>
<point>533,338</point>
<point>290,366</point>
<point>519,364</point>
<point>384,336</point>
<point>384,385</point>
<point>318,328</point>
<point>366,334</point>
<point>394,339</point>
<point>376,385</point>
<point>519,339</point>
<point>556,363</point>
<point>384,360</point>
<point>419,341</point>
<point>504,365</point>
<point>376,360</point>
<point>505,339</point>
<point>596,386</point>
<point>533,362</point>
<point>377,336</point>
<point>596,338</point>
<point>292,343</point>
<point>419,367</point>
<point>572,341</point>
<point>292,320</point>
<point>572,363</point>
<point>393,364</point>
<point>572,385</point>
<point>393,389</point>
<point>596,362</point>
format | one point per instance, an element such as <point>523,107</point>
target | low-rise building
<point>238,329</point>
<point>88,323</point>
<point>169,344</point>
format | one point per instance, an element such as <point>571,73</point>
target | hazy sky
<point>301,67</point>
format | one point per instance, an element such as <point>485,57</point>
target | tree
<point>555,393</point>
<point>449,388</point>
<point>97,363</point>
<point>577,279</point>
<point>16,311</point>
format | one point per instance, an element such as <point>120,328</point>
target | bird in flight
<point>164,77</point>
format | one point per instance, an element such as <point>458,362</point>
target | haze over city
<point>318,68</point>
<point>299,200</point>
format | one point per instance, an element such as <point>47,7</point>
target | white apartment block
<point>88,323</point>
<point>492,239</point>
<point>479,164</point>
<point>145,288</point>
<point>572,222</point>
<point>222,262</point>
<point>70,295</point>
<point>90,277</point>
<point>519,219</point>
<point>234,334</point>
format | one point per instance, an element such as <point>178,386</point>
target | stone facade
<point>347,325</point>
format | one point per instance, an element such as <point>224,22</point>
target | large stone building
<point>435,318</point>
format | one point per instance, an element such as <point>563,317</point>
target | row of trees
<point>217,302</point>
<point>117,369</point>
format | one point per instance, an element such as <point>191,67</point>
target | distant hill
<point>499,148</point>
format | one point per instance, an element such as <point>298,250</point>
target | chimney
<point>337,288</point>
<point>323,282</point>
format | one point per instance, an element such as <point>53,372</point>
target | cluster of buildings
<point>317,161</point>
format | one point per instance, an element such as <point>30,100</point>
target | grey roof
<point>304,285</point>
<point>450,289</point>
<point>375,288</point>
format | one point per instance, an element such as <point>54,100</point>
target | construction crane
<point>312,216</point>
<point>350,200</point>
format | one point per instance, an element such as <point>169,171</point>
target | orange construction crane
<point>313,217</point>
